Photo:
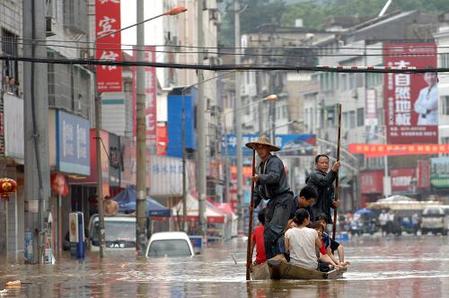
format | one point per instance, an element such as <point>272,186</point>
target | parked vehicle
<point>433,220</point>
<point>120,232</point>
<point>446,217</point>
<point>169,244</point>
<point>409,226</point>
<point>298,147</point>
<point>364,221</point>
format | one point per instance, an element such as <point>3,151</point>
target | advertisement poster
<point>72,144</point>
<point>411,100</point>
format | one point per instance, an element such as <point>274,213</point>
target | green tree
<point>257,12</point>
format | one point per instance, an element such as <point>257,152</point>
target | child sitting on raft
<point>332,245</point>
<point>302,242</point>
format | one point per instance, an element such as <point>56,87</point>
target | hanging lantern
<point>7,186</point>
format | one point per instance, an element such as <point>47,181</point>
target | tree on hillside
<point>257,12</point>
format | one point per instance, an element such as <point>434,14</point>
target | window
<point>330,117</point>
<point>345,120</point>
<point>445,105</point>
<point>360,117</point>
<point>75,15</point>
<point>352,120</point>
<point>10,82</point>
<point>374,79</point>
<point>285,111</point>
<point>444,60</point>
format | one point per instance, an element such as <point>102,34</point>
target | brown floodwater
<point>380,267</point>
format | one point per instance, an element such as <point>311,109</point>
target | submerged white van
<point>169,244</point>
<point>120,232</point>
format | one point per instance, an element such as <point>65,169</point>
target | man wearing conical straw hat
<point>271,184</point>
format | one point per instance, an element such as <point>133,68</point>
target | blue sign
<point>290,144</point>
<point>180,127</point>
<point>72,144</point>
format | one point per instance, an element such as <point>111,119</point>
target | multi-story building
<point>11,135</point>
<point>361,96</point>
<point>70,96</point>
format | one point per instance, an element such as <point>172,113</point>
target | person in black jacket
<point>322,180</point>
<point>272,185</point>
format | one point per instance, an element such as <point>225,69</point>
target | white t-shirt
<point>302,247</point>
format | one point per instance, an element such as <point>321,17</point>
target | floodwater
<point>388,267</point>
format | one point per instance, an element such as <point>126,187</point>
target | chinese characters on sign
<point>72,144</point>
<point>377,150</point>
<point>108,39</point>
<point>410,109</point>
<point>150,96</point>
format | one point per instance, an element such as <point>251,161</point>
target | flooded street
<point>391,267</point>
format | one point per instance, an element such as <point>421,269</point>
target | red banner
<point>150,95</point>
<point>377,150</point>
<point>162,139</point>
<point>423,174</point>
<point>401,179</point>
<point>411,100</point>
<point>108,40</point>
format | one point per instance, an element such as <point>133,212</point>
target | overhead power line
<point>368,47</point>
<point>243,67</point>
<point>291,55</point>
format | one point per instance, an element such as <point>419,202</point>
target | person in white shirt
<point>302,242</point>
<point>383,221</point>
<point>427,103</point>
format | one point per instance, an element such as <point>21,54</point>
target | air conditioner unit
<point>50,23</point>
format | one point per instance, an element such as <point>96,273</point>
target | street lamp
<point>140,132</point>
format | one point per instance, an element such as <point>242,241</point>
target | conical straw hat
<point>263,140</point>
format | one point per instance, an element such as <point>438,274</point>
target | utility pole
<point>99,169</point>
<point>37,170</point>
<point>140,135</point>
<point>200,120</point>
<point>238,119</point>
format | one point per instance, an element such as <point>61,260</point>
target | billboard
<point>411,100</point>
<point>378,150</point>
<point>439,172</point>
<point>291,144</point>
<point>177,127</point>
<point>108,45</point>
<point>72,144</point>
<point>12,144</point>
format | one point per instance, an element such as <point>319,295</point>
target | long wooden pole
<point>337,190</point>
<point>250,225</point>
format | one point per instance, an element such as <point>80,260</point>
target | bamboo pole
<point>337,190</point>
<point>251,213</point>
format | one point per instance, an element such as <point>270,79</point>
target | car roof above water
<point>169,235</point>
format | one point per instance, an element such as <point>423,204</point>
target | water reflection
<point>393,267</point>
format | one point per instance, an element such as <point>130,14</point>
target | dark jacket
<point>295,207</point>
<point>272,180</point>
<point>323,183</point>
